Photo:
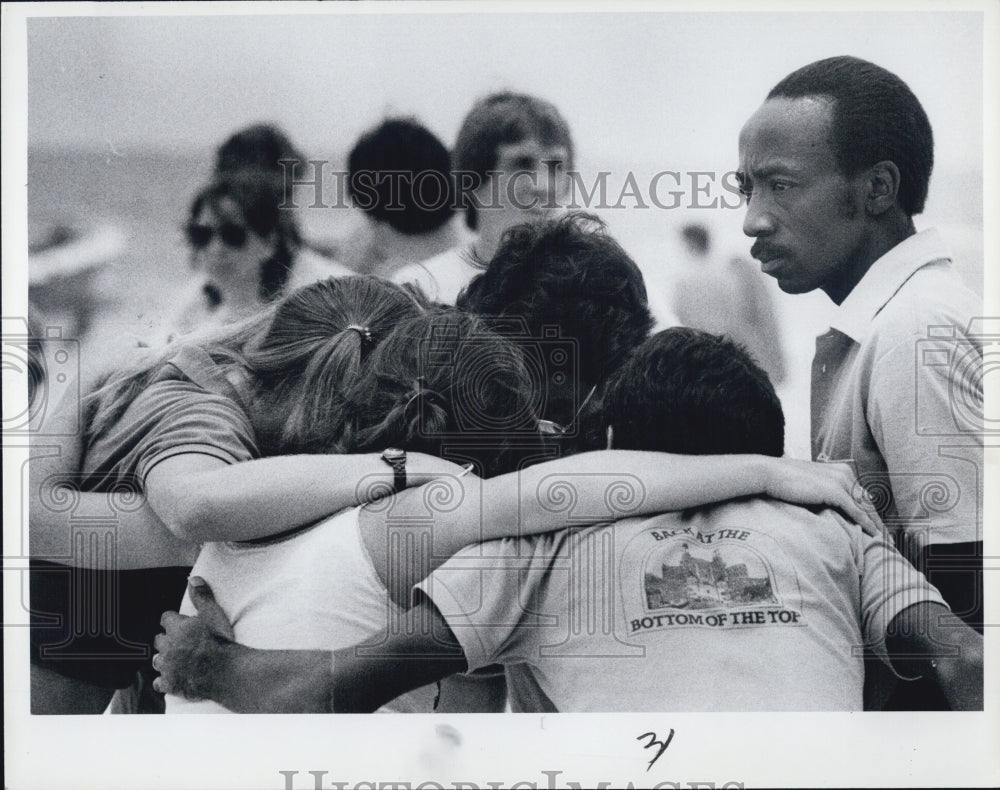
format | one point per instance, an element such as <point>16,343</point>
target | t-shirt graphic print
<point>712,580</point>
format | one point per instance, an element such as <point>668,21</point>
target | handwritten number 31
<point>653,742</point>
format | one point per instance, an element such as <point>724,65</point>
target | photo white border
<point>823,750</point>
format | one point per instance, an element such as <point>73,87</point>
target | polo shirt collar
<point>886,276</point>
<point>197,366</point>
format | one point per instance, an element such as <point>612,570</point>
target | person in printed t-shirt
<point>748,605</point>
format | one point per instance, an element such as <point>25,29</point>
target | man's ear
<point>611,438</point>
<point>883,186</point>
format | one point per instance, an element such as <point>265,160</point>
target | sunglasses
<point>231,234</point>
<point>550,428</point>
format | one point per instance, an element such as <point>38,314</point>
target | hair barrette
<point>364,331</point>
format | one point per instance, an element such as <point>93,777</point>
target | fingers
<point>857,505</point>
<point>208,608</point>
<point>176,654</point>
<point>858,515</point>
<point>160,682</point>
<point>171,620</point>
<point>863,508</point>
<point>843,498</point>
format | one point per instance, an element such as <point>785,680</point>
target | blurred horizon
<point>674,85</point>
<point>124,114</point>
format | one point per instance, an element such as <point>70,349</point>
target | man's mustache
<point>764,252</point>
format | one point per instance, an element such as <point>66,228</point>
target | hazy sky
<point>670,89</point>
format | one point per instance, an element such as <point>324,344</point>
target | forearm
<point>956,569</point>
<point>350,680</point>
<point>927,640</point>
<point>92,530</point>
<point>473,692</point>
<point>198,660</point>
<point>263,497</point>
<point>247,680</point>
<point>611,484</point>
<point>614,484</point>
<point>592,488</point>
<point>419,649</point>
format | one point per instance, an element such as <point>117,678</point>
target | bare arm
<point>197,659</point>
<point>423,650</point>
<point>927,640</point>
<point>201,498</point>
<point>589,488</point>
<point>483,691</point>
<point>614,484</point>
<point>64,521</point>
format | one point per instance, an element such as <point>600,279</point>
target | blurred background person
<point>260,146</point>
<point>399,178</point>
<point>727,297</point>
<point>266,149</point>
<point>245,249</point>
<point>510,164</point>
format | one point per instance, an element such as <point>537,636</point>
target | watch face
<point>394,454</point>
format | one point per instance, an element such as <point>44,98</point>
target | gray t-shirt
<point>747,606</point>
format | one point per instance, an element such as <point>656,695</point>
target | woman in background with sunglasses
<point>246,249</point>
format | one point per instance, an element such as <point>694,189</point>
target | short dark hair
<point>261,146</point>
<point>697,237</point>
<point>568,273</point>
<point>686,391</point>
<point>876,118</point>
<point>501,119</point>
<point>402,145</point>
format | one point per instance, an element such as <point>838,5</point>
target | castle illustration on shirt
<point>729,578</point>
<point>696,582</point>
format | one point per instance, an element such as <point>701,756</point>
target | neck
<point>486,244</point>
<point>265,413</point>
<point>401,248</point>
<point>891,232</point>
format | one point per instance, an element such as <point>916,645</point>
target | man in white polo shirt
<point>834,165</point>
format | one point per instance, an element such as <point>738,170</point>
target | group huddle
<point>479,481</point>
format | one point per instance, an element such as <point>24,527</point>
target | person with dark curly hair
<point>564,285</point>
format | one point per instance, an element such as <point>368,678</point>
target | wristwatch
<point>396,458</point>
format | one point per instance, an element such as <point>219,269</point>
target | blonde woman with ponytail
<point>173,454</point>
